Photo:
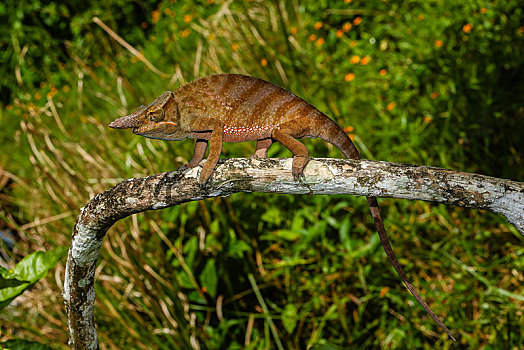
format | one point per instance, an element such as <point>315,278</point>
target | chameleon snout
<point>130,121</point>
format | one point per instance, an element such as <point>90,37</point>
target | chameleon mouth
<point>145,130</point>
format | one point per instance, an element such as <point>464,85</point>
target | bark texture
<point>322,176</point>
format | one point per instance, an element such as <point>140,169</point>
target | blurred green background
<point>437,82</point>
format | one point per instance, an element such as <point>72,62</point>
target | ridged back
<point>243,101</point>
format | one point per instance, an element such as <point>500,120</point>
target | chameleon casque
<point>236,108</point>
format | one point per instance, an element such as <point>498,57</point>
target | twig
<point>130,48</point>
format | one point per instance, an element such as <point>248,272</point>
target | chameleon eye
<point>155,115</point>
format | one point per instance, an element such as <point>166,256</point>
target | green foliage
<point>430,82</point>
<point>20,344</point>
<point>32,268</point>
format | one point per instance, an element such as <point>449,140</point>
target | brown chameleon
<point>236,108</point>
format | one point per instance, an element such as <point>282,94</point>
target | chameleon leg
<point>299,150</point>
<point>262,148</point>
<point>198,155</point>
<point>215,148</point>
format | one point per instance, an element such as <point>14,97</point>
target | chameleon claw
<point>202,184</point>
<point>299,178</point>
<point>298,175</point>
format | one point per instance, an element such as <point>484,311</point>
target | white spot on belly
<point>237,130</point>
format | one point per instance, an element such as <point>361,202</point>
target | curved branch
<point>322,176</point>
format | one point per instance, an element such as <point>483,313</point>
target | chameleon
<point>235,108</point>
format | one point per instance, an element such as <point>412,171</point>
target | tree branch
<point>322,176</point>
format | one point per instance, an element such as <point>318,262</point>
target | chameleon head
<point>159,120</point>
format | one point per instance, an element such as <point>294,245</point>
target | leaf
<point>289,317</point>
<point>272,216</point>
<point>287,235</point>
<point>184,281</point>
<point>28,271</point>
<point>21,344</point>
<point>209,278</point>
<point>344,234</point>
<point>35,266</point>
<point>238,248</point>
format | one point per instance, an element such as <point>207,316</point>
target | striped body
<point>249,108</point>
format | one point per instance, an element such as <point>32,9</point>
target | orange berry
<point>467,28</point>
<point>317,25</point>
<point>155,16</point>
<point>52,93</point>
<point>263,62</point>
<point>438,43</point>
<point>339,33</point>
<point>349,129</point>
<point>427,119</point>
<point>347,27</point>
<point>354,59</point>
<point>390,106</point>
<point>320,41</point>
<point>365,60</point>
<point>349,77</point>
<point>357,21</point>
<point>382,72</point>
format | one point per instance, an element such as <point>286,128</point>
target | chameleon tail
<point>375,212</point>
<point>333,134</point>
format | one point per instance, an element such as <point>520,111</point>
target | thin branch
<point>322,176</point>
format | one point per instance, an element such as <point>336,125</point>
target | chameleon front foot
<point>204,175</point>
<point>297,168</point>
